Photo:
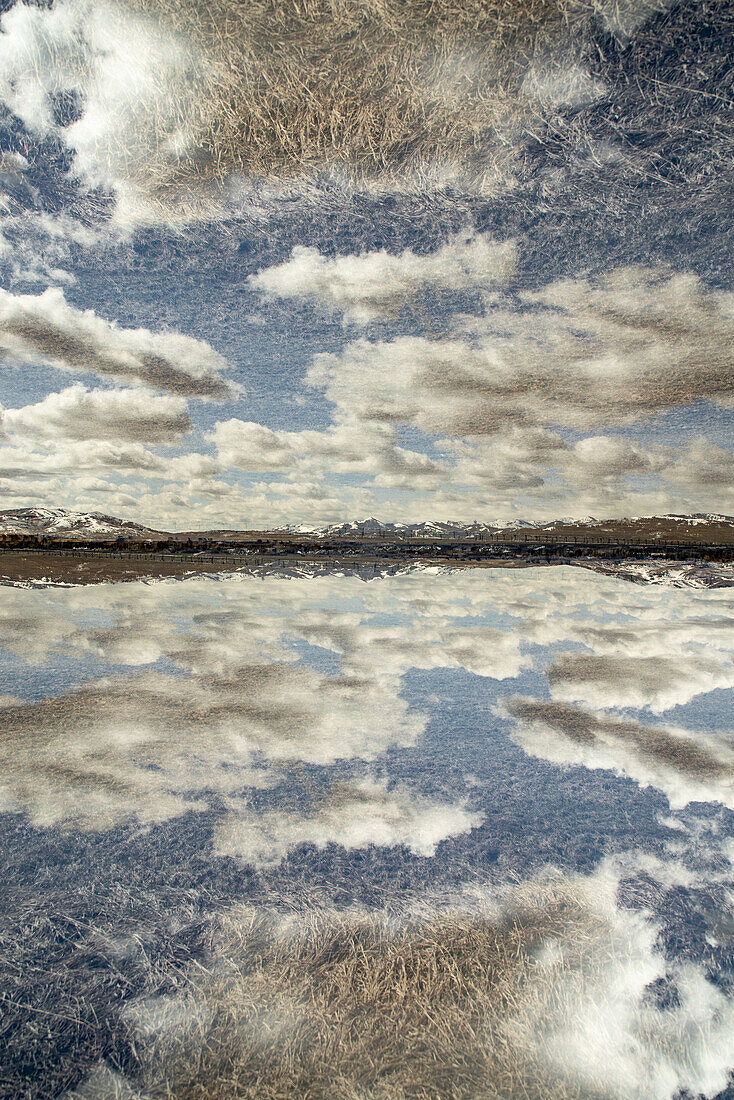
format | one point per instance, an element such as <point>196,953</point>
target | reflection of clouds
<point>355,816</point>
<point>239,691</point>
<point>148,746</point>
<point>540,993</point>
<point>687,767</point>
<point>658,683</point>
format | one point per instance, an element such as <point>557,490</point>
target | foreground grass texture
<point>378,89</point>
<point>354,1006</point>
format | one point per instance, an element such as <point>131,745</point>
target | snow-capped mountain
<point>659,525</point>
<point>700,517</point>
<point>59,522</point>
<point>429,528</point>
<point>374,526</point>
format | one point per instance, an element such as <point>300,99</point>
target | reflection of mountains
<point>671,575</point>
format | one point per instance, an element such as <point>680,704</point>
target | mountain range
<point>61,523</point>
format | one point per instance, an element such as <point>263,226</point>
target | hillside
<point>61,524</point>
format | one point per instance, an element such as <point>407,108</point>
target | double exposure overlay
<point>358,817</point>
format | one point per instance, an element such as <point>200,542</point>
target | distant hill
<point>707,525</point>
<point>58,522</point>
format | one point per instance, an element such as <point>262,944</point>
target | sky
<point>271,263</point>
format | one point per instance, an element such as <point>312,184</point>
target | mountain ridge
<point>65,523</point>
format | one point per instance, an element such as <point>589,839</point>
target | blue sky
<point>518,305</point>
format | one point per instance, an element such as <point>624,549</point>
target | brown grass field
<point>327,1004</point>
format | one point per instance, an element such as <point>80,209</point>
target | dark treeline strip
<point>259,545</point>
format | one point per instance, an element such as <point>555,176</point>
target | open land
<point>626,547</point>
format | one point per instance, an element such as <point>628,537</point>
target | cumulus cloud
<point>655,682</point>
<point>687,767</point>
<point>45,327</point>
<point>350,448</point>
<point>74,457</point>
<point>704,464</point>
<point>579,353</point>
<point>498,392</point>
<point>354,816</point>
<point>612,457</point>
<point>374,285</point>
<point>77,413</point>
<point>540,992</point>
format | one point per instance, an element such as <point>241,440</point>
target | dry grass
<point>394,91</point>
<point>330,1004</point>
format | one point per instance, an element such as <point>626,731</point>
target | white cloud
<point>45,327</point>
<point>374,285</point>
<point>612,457</point>
<point>585,354</point>
<point>687,767</point>
<point>348,448</point>
<point>579,354</point>
<point>355,815</point>
<point>58,456</point>
<point>76,413</point>
<point>104,1083</point>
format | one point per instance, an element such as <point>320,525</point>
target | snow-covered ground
<point>670,574</point>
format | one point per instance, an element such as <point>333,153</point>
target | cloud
<point>540,992</point>
<point>350,448</point>
<point>355,815</point>
<point>76,413</point>
<point>655,682</point>
<point>611,457</point>
<point>374,285</point>
<point>687,767</point>
<point>580,353</point>
<point>57,456</point>
<point>45,327</point>
<point>703,464</point>
<point>253,447</point>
